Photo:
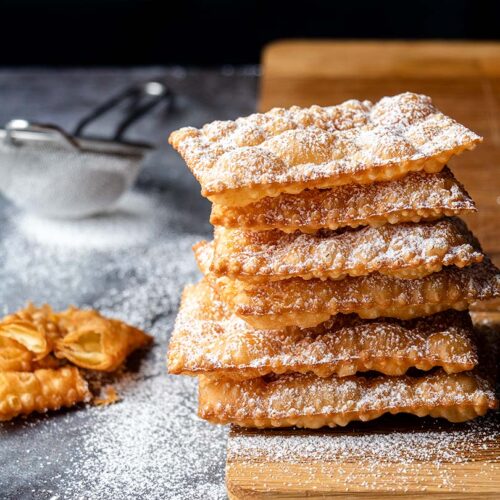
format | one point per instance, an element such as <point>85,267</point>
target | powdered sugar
<point>150,444</point>
<point>319,147</point>
<point>133,221</point>
<point>369,457</point>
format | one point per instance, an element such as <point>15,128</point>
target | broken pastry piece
<point>36,328</point>
<point>14,356</point>
<point>37,345</point>
<point>208,339</point>
<point>415,197</point>
<point>290,150</point>
<point>408,251</point>
<point>307,303</point>
<point>22,393</point>
<point>312,402</point>
<point>95,342</point>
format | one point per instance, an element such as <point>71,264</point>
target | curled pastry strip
<point>97,343</point>
<point>28,335</point>
<point>312,402</point>
<point>34,328</point>
<point>14,356</point>
<point>22,393</point>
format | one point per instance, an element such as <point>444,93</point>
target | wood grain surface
<point>464,81</point>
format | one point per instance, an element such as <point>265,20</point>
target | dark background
<point>213,32</point>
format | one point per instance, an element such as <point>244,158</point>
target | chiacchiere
<point>210,340</point>
<point>312,402</point>
<point>95,342</point>
<point>415,197</point>
<point>22,393</point>
<point>290,150</point>
<point>405,250</point>
<point>39,346</point>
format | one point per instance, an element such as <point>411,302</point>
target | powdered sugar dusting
<point>368,456</point>
<point>390,249</point>
<point>133,221</point>
<point>320,145</point>
<point>150,444</point>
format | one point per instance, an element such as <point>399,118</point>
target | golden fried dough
<point>307,303</point>
<point>404,250</point>
<point>14,356</point>
<point>208,339</point>
<point>22,393</point>
<point>415,197</point>
<point>36,328</point>
<point>313,402</point>
<point>289,150</point>
<point>95,342</point>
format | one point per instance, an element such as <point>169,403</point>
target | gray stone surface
<point>150,445</point>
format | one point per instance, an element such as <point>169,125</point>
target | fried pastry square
<point>415,197</point>
<point>22,393</point>
<point>307,303</point>
<point>312,402</point>
<point>208,339</point>
<point>405,250</point>
<point>95,342</point>
<point>289,150</point>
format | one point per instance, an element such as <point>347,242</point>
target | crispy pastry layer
<point>208,339</point>
<point>289,150</point>
<point>84,337</point>
<point>405,250</point>
<point>14,356</point>
<point>35,328</point>
<point>95,342</point>
<point>416,196</point>
<point>312,402</point>
<point>22,393</point>
<point>307,303</point>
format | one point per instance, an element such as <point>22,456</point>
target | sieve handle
<point>143,98</point>
<point>40,131</point>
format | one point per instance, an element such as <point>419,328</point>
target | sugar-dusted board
<point>395,456</point>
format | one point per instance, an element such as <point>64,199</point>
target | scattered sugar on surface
<point>363,459</point>
<point>150,444</point>
<point>134,220</point>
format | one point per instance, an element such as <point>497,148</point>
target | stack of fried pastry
<point>338,282</point>
<point>46,356</point>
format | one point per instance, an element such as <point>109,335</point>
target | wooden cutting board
<point>410,456</point>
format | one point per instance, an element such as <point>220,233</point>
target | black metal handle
<point>143,98</point>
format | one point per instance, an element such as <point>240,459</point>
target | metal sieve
<point>51,173</point>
